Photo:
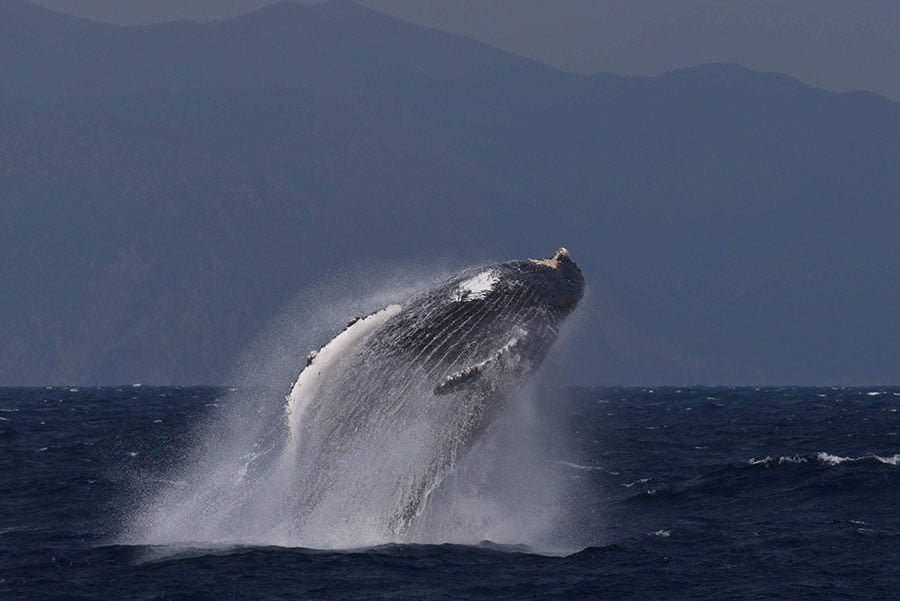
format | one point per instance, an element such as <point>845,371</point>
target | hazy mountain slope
<point>47,55</point>
<point>165,189</point>
<point>759,212</point>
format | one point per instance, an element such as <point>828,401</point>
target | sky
<point>835,44</point>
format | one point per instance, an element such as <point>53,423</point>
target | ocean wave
<point>825,458</point>
<point>830,459</point>
<point>768,460</point>
<point>639,481</point>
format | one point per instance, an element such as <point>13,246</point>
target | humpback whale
<point>408,389</point>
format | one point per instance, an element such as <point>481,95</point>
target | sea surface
<point>678,493</point>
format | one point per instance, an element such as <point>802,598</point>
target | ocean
<point>666,493</point>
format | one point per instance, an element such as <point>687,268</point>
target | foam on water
<point>825,458</point>
<point>829,459</point>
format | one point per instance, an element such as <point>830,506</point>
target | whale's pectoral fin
<point>507,360</point>
<point>354,323</point>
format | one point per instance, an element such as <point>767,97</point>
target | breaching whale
<point>382,413</point>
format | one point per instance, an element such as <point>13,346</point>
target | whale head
<point>559,279</point>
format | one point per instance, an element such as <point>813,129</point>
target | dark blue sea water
<point>694,493</point>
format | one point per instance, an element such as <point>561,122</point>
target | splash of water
<point>321,469</point>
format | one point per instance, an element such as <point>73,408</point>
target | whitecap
<point>892,460</point>
<point>767,460</point>
<point>829,459</point>
<point>639,481</point>
<point>833,460</point>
